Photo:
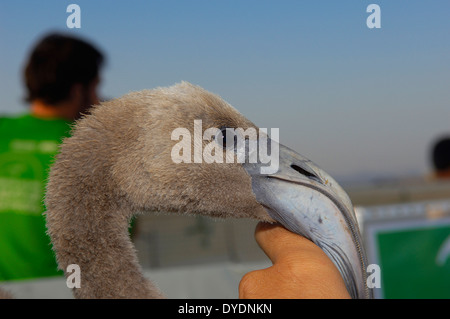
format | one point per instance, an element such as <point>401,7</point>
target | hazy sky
<point>354,100</point>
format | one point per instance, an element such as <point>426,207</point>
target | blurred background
<point>365,104</point>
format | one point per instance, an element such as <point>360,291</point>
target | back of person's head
<point>441,155</point>
<point>58,62</point>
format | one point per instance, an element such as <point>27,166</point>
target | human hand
<point>300,270</point>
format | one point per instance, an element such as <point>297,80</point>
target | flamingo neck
<point>93,234</point>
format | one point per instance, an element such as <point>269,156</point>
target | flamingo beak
<point>307,201</point>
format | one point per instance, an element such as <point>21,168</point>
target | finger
<point>279,243</point>
<point>295,256</point>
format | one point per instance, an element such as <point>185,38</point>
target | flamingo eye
<point>227,137</point>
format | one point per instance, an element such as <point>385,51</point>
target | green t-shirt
<point>27,149</point>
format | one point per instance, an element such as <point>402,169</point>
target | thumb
<point>278,243</point>
<point>300,268</point>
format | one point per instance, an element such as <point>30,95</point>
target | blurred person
<point>441,158</point>
<point>61,78</point>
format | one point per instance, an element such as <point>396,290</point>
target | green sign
<point>410,242</point>
<point>415,261</point>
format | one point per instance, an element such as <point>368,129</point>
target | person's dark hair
<point>441,154</point>
<point>57,63</point>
